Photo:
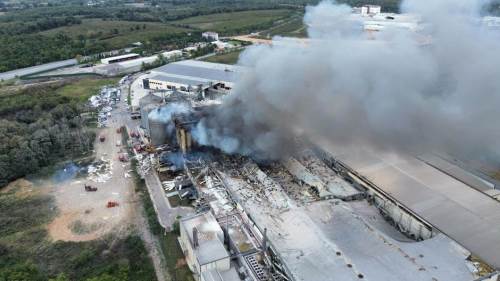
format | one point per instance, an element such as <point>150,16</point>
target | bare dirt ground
<point>24,188</point>
<point>84,215</point>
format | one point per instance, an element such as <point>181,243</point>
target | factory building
<point>190,76</point>
<point>172,54</point>
<point>367,10</point>
<point>202,241</point>
<point>373,19</point>
<point>121,58</point>
<point>211,36</point>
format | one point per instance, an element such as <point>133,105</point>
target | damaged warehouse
<point>282,185</point>
<point>258,204</point>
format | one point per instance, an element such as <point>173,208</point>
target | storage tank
<point>157,131</point>
<point>145,110</point>
<point>147,104</point>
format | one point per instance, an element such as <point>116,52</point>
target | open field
<point>117,34</point>
<point>84,88</point>
<point>292,28</point>
<point>227,58</point>
<point>236,22</point>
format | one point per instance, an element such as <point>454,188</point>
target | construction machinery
<point>90,188</point>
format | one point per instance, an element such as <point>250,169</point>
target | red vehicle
<point>112,204</point>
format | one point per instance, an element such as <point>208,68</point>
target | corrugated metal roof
<point>179,80</point>
<point>201,70</point>
<point>457,172</point>
<point>466,215</point>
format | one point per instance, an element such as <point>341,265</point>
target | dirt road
<point>84,215</point>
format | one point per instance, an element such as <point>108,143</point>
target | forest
<point>39,127</point>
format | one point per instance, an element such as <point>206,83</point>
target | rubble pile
<point>100,171</point>
<point>104,103</point>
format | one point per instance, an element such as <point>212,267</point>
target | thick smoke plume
<point>437,89</point>
<point>166,113</point>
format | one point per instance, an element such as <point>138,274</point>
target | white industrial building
<point>192,75</point>
<point>201,240</point>
<point>367,10</point>
<point>172,54</point>
<point>121,58</point>
<point>209,35</point>
<point>372,19</point>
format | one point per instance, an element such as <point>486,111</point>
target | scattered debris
<point>90,188</point>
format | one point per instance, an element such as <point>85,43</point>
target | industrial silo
<point>157,131</point>
<point>145,110</point>
<point>147,104</point>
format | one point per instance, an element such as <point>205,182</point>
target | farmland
<point>236,22</point>
<point>116,34</point>
<point>227,58</point>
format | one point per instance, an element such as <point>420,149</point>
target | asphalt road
<point>34,69</point>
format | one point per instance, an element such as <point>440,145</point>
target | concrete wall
<point>406,221</point>
<point>188,251</point>
<point>403,220</point>
<point>162,85</point>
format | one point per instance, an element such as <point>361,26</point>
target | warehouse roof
<point>457,172</point>
<point>191,69</point>
<point>215,275</point>
<point>464,214</point>
<point>210,237</point>
<point>120,57</point>
<point>180,80</point>
<point>331,240</point>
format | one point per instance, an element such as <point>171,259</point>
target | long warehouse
<point>468,216</point>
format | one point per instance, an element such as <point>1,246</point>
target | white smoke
<point>437,90</point>
<point>165,113</point>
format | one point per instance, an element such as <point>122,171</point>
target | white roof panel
<point>466,215</point>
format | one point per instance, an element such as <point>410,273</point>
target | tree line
<point>17,28</point>
<point>39,127</point>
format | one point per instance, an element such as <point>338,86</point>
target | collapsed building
<point>317,215</point>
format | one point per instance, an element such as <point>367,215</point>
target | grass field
<point>128,31</point>
<point>27,253</point>
<point>228,23</point>
<point>84,88</point>
<point>292,28</point>
<point>175,258</point>
<point>227,58</point>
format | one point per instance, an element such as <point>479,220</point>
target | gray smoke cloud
<point>166,113</point>
<point>435,90</point>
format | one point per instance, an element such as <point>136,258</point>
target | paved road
<point>120,117</point>
<point>160,201</point>
<point>34,69</point>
